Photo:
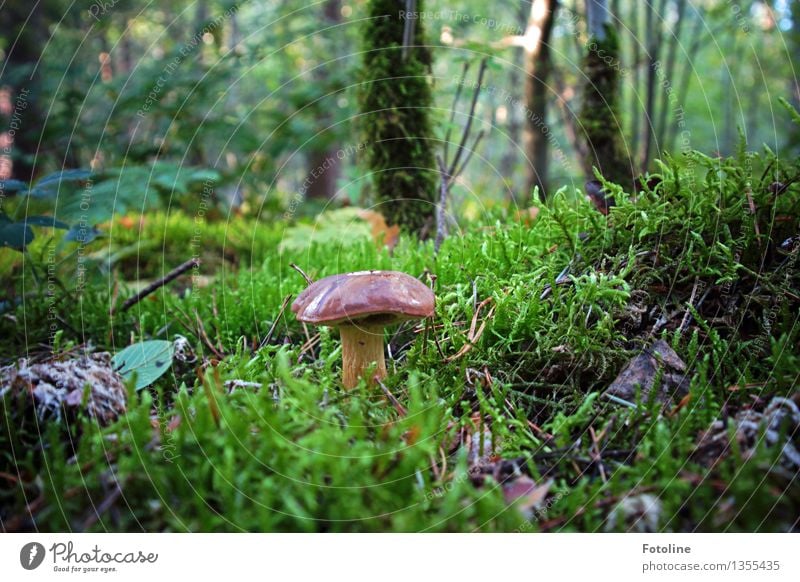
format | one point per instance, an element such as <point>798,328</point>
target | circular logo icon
<point>31,555</point>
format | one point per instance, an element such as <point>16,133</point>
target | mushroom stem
<point>362,346</point>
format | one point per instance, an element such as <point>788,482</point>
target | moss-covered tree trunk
<point>395,100</point>
<point>601,123</point>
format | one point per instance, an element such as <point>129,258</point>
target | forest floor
<point>635,371</point>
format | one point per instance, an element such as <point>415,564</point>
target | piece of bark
<point>54,388</point>
<point>642,370</point>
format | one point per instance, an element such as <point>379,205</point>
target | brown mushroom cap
<point>370,297</point>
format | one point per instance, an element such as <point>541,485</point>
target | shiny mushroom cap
<point>370,297</point>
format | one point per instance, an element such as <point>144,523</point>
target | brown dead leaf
<point>527,215</point>
<point>525,493</point>
<point>383,234</point>
<point>411,436</point>
<point>597,195</point>
<point>475,331</point>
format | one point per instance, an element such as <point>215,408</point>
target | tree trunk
<point>669,74</point>
<point>323,186</point>
<point>514,119</point>
<point>600,116</point>
<point>634,111</point>
<point>654,42</point>
<point>395,101</point>
<point>25,31</point>
<point>794,82</point>
<point>537,73</point>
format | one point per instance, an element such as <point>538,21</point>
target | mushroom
<point>361,304</point>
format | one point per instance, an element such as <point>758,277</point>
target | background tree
<point>600,115</point>
<point>396,101</point>
<point>24,32</point>
<point>537,93</point>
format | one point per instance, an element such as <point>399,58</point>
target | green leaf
<point>45,221</point>
<point>15,234</point>
<point>82,234</point>
<point>120,190</point>
<point>49,185</point>
<point>12,186</point>
<point>146,360</point>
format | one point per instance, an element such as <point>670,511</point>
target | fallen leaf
<point>602,201</point>
<point>525,493</point>
<point>383,234</point>
<point>527,215</point>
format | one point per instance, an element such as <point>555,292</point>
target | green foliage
<point>299,454</point>
<point>339,228</point>
<point>144,362</point>
<point>79,200</point>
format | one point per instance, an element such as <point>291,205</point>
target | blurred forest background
<point>257,95</point>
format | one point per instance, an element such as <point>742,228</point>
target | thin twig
<point>685,320</point>
<point>470,117</point>
<point>308,279</point>
<point>201,332</point>
<point>441,211</point>
<point>401,410</point>
<point>471,151</point>
<point>268,337</point>
<point>104,506</point>
<point>156,285</point>
<point>453,110</point>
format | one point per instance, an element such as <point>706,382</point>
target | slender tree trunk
<point>537,74</point>
<point>395,99</point>
<point>25,30</point>
<point>324,186</point>
<point>794,81</point>
<point>686,75</point>
<point>600,116</point>
<point>125,65</point>
<point>669,74</point>
<point>654,40</point>
<point>200,20</point>
<point>514,119</point>
<point>636,94</point>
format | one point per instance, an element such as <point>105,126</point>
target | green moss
<point>395,123</point>
<point>299,454</point>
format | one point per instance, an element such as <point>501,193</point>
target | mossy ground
<point>300,454</point>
